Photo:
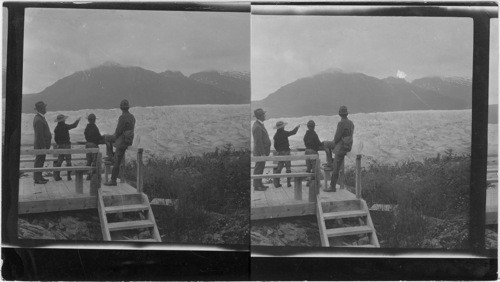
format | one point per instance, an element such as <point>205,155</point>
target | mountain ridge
<point>104,86</point>
<point>323,93</point>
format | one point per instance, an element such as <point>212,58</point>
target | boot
<point>69,176</point>
<point>276,183</point>
<point>288,180</point>
<point>57,176</point>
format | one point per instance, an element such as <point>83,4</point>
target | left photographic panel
<point>135,126</point>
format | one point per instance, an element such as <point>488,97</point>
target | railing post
<point>342,176</point>
<point>314,185</point>
<point>122,168</point>
<point>95,180</point>
<point>140,166</point>
<point>358,176</point>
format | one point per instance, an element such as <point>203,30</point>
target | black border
<point>68,263</point>
<point>73,264</point>
<point>480,78</point>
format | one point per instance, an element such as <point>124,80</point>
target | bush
<point>216,182</point>
<point>434,188</point>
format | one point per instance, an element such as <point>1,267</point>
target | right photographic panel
<point>362,128</point>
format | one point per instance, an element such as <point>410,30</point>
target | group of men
<point>341,144</point>
<point>121,139</point>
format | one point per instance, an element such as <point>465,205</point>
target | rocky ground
<point>74,225</point>
<point>297,231</point>
<point>85,226</point>
<point>303,231</point>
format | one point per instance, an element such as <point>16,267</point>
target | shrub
<point>217,181</point>
<point>434,188</point>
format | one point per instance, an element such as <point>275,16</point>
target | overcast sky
<point>286,48</point>
<point>59,42</point>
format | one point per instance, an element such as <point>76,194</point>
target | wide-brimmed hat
<point>311,123</point>
<point>91,117</point>
<point>280,124</point>
<point>60,118</point>
<point>343,110</point>
<point>124,104</point>
<point>259,112</point>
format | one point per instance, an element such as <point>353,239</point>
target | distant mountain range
<point>324,93</point>
<point>103,87</point>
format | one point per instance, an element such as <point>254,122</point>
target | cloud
<point>59,42</point>
<point>376,46</point>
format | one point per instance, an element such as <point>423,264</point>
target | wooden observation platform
<point>301,200</point>
<point>309,199</point>
<point>122,209</point>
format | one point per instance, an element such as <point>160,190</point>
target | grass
<point>212,191</point>
<point>426,192</point>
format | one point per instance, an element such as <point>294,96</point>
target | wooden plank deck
<point>280,202</point>
<point>61,195</point>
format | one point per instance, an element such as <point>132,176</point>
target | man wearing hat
<point>261,146</point>
<point>341,144</point>
<point>93,138</point>
<point>43,137</point>
<point>121,139</point>
<point>282,147</point>
<point>61,136</point>
<point>312,143</point>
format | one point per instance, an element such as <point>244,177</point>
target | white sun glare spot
<point>401,74</point>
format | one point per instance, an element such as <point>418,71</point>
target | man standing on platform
<point>123,137</point>
<point>93,138</point>
<point>341,144</point>
<point>61,136</point>
<point>261,146</point>
<point>43,138</point>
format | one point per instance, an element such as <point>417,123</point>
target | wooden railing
<point>297,176</point>
<point>272,161</point>
<point>140,164</point>
<point>79,170</point>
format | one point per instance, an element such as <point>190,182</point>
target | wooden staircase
<point>124,217</point>
<point>342,210</point>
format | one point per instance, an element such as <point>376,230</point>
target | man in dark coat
<point>121,139</point>
<point>93,138</point>
<point>261,146</point>
<point>343,134</point>
<point>282,147</point>
<point>313,145</point>
<point>61,136</point>
<point>43,138</point>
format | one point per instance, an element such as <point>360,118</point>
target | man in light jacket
<point>123,137</point>
<point>340,146</point>
<point>261,146</point>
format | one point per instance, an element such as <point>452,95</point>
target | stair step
<point>344,214</point>
<point>127,225</point>
<point>126,208</point>
<point>345,231</point>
